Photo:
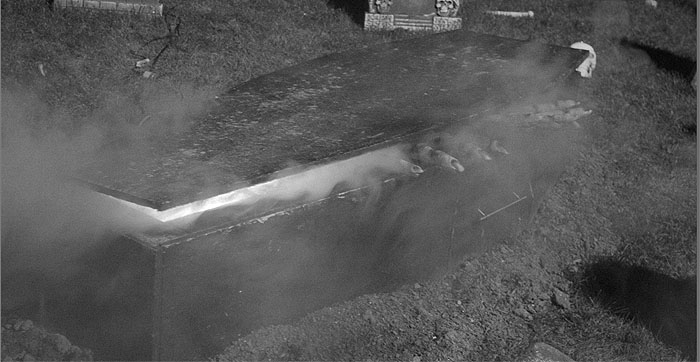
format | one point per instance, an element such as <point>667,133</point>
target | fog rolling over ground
<point>50,221</point>
<point>52,226</point>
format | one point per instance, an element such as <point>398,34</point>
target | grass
<point>89,57</point>
<point>632,193</point>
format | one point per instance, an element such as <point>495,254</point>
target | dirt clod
<point>23,325</point>
<point>542,352</point>
<point>61,343</point>
<point>523,313</point>
<point>369,316</point>
<point>22,340</point>
<point>561,299</point>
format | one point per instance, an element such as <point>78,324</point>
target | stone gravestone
<point>426,15</point>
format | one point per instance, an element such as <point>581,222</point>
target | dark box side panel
<point>220,285</point>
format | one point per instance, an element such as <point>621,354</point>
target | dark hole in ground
<point>690,128</point>
<point>665,305</point>
<point>355,8</point>
<point>663,59</point>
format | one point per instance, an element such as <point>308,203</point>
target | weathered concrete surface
<point>332,106</point>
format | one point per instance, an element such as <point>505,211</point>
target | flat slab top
<point>330,108</point>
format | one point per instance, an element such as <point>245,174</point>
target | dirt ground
<point>22,340</point>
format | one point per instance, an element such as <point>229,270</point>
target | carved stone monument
<point>425,15</point>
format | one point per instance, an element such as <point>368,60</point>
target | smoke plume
<point>49,220</point>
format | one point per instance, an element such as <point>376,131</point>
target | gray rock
<point>369,316</point>
<point>423,312</point>
<point>523,313</point>
<point>26,325</point>
<point>62,343</point>
<point>18,325</point>
<point>561,299</point>
<point>453,336</point>
<point>542,352</point>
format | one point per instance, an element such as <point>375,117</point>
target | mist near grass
<point>47,213</point>
<point>51,222</point>
<point>49,218</point>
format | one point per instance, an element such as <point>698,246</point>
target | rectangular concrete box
<point>141,7</point>
<point>198,286</point>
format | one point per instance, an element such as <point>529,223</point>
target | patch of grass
<point>589,333</point>
<point>559,23</point>
<point>89,57</point>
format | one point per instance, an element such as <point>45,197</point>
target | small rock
<point>28,358</point>
<point>522,313</point>
<point>26,325</point>
<point>561,299</point>
<point>457,285</point>
<point>453,336</point>
<point>566,103</point>
<point>415,359</point>
<point>576,113</point>
<point>190,153</point>
<point>545,107</point>
<point>542,352</point>
<point>423,312</point>
<point>369,316</point>
<point>18,325</point>
<point>60,342</point>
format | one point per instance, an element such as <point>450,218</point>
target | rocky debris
<point>561,299</point>
<point>369,316</point>
<point>422,312</point>
<point>22,340</point>
<point>23,325</point>
<point>523,313</point>
<point>454,336</point>
<point>542,352</point>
